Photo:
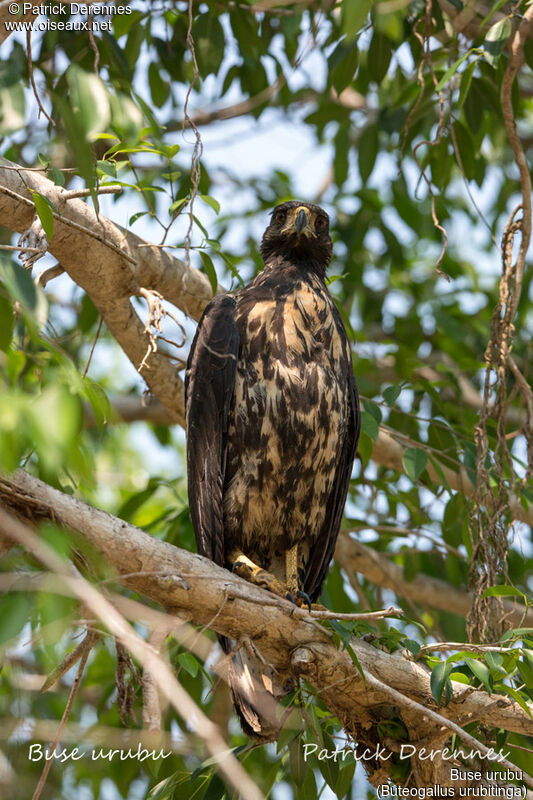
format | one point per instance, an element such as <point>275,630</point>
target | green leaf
<point>107,168</point>
<point>369,425</point>
<point>178,205</point>
<point>15,610</point>
<point>481,672</point>
<point>526,673</point>
<point>210,271</point>
<point>439,682</point>
<point>56,175</point>
<point>19,284</point>
<point>159,89</point>
<point>88,315</point>
<point>412,646</point>
<point>367,150</point>
<point>214,204</point>
<point>7,323</point>
<point>466,80</point>
<point>353,655</point>
<point>98,399</point>
<point>136,216</point>
<point>516,633</point>
<point>414,461</point>
<point>373,409</point>
<point>44,210</point>
<point>209,41</point>
<point>438,469</point>
<point>452,70</point>
<point>354,15</point>
<point>297,762</point>
<point>364,448</point>
<point>379,56</point>
<point>189,663</point>
<point>503,591</point>
<point>341,162</point>
<point>127,118</point>
<point>345,779</point>
<point>391,394</point>
<point>502,688</point>
<point>495,40</point>
<point>343,65</point>
<point>89,101</point>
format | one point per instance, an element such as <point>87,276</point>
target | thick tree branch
<point>429,592</point>
<point>110,264</point>
<point>287,637</point>
<point>388,452</point>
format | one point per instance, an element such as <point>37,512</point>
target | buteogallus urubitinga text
<point>272,429</point>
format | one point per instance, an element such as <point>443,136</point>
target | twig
<point>475,648</point>
<point>198,146</point>
<point>426,59</point>
<point>68,662</point>
<point>94,46</point>
<point>85,648</point>
<point>156,314</point>
<point>71,194</point>
<point>151,703</point>
<point>32,79</point>
<point>49,274</point>
<point>387,612</point>
<point>516,61</point>
<point>17,248</point>
<point>88,364</point>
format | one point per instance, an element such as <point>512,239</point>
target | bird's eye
<point>321,223</point>
<point>281,216</point>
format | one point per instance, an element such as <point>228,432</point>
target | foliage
<point>404,127</point>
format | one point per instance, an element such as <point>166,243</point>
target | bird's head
<point>298,233</point>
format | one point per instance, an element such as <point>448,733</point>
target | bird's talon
<point>305,597</point>
<point>291,597</point>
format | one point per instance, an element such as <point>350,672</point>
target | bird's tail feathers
<point>256,689</point>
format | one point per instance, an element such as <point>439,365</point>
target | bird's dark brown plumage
<point>273,422</point>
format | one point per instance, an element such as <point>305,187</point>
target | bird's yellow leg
<point>245,568</point>
<point>291,570</point>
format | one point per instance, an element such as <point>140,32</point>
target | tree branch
<point>6,16</point>
<point>289,638</point>
<point>116,264</point>
<point>429,592</point>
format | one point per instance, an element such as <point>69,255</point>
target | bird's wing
<point>209,386</point>
<point>324,546</point>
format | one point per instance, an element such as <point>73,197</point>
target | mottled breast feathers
<point>273,422</point>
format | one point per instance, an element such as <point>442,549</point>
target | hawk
<point>272,428</point>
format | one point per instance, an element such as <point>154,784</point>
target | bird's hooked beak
<point>300,223</point>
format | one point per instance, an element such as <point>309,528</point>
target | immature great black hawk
<point>272,428</point>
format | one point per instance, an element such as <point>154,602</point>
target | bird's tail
<point>256,689</point>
